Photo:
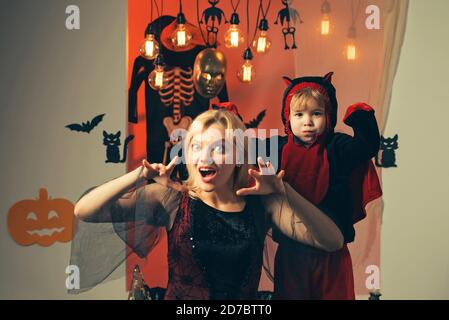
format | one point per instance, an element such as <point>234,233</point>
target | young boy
<point>333,171</point>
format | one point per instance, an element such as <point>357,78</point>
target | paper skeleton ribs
<point>177,93</point>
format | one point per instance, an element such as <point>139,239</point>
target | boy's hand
<point>266,180</point>
<point>161,174</point>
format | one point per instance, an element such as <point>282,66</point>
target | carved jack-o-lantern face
<point>43,221</point>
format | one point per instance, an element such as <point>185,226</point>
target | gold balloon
<point>209,72</point>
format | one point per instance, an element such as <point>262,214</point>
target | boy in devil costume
<point>332,170</point>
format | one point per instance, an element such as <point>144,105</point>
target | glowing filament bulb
<point>351,52</point>
<point>149,48</point>
<point>247,73</point>
<point>325,25</point>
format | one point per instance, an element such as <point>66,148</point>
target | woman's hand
<point>161,174</point>
<point>266,180</point>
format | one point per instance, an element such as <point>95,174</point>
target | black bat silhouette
<point>86,126</point>
<point>256,121</point>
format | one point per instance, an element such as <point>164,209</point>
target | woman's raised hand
<point>161,173</point>
<point>266,180</point>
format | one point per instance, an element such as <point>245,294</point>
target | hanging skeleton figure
<point>177,93</point>
<point>178,103</point>
<point>288,15</point>
<point>214,14</point>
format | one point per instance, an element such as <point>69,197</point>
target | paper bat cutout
<point>256,121</point>
<point>86,126</point>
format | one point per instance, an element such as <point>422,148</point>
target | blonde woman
<point>215,222</point>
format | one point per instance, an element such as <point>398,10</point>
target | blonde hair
<point>299,99</point>
<point>227,120</point>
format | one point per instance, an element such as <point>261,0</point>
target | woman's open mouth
<point>207,173</point>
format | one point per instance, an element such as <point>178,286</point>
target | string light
<point>157,79</point>
<point>234,36</point>
<point>325,23</point>
<point>247,72</point>
<point>149,48</point>
<point>262,43</point>
<point>351,48</point>
<point>181,37</point>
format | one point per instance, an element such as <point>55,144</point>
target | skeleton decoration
<point>215,14</point>
<point>175,105</point>
<point>288,17</point>
<point>209,72</point>
<point>177,93</point>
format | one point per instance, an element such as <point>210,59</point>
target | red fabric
<point>356,107</point>
<point>317,274</point>
<point>365,187</point>
<point>228,106</point>
<point>306,169</point>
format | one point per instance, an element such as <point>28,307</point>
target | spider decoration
<point>286,15</point>
<point>215,14</point>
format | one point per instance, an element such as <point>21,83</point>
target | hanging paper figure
<point>387,157</point>
<point>177,103</point>
<point>215,14</point>
<point>112,141</point>
<point>288,17</point>
<point>86,126</point>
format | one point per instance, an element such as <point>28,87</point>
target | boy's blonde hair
<point>299,99</point>
<point>227,120</point>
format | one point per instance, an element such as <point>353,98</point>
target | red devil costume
<point>337,175</point>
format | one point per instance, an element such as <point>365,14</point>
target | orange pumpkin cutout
<point>43,221</point>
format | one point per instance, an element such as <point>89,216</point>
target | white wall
<point>415,231</point>
<point>51,77</point>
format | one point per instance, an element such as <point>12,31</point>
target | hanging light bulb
<point>157,79</point>
<point>149,48</point>
<point>247,72</point>
<point>325,23</point>
<point>351,49</point>
<point>234,36</point>
<point>181,37</point>
<point>262,42</point>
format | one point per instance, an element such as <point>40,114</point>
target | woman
<point>215,223</point>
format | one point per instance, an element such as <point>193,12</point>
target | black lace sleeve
<point>133,223</point>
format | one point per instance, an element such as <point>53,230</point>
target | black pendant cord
<point>159,13</point>
<point>234,8</point>
<point>355,13</point>
<point>264,13</point>
<point>206,41</point>
<point>247,23</point>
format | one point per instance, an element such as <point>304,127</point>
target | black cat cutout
<point>112,141</point>
<point>86,126</point>
<point>387,155</point>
